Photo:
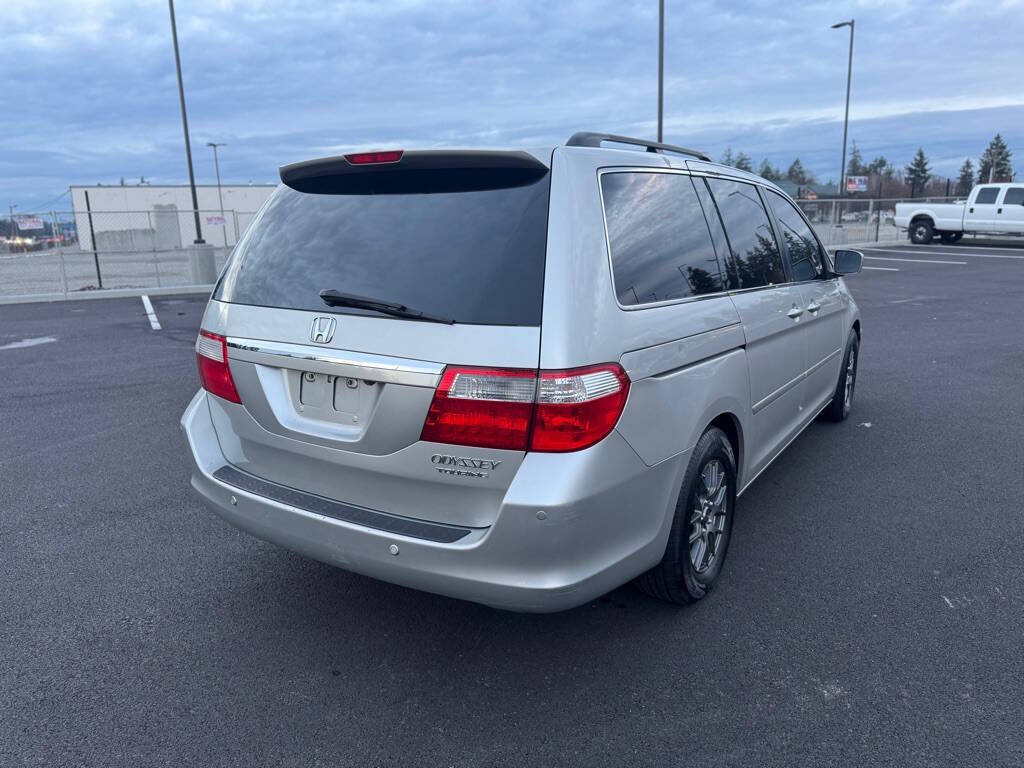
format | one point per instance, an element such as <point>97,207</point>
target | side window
<point>1014,196</point>
<point>660,245</point>
<point>801,245</point>
<point>755,254</point>
<point>986,196</point>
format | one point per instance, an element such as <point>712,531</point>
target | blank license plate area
<point>348,398</point>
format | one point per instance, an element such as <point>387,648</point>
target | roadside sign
<point>856,184</point>
<point>215,221</point>
<point>29,222</point>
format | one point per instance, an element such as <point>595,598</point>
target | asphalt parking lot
<point>871,612</point>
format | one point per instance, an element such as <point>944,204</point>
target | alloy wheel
<point>707,520</point>
<point>851,376</point>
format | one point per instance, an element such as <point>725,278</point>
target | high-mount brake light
<point>214,372</point>
<point>375,158</point>
<point>521,409</point>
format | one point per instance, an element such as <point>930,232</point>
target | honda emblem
<point>322,330</point>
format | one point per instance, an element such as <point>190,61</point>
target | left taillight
<point>214,372</point>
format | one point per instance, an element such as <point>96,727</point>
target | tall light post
<point>216,165</point>
<point>184,124</point>
<point>661,63</point>
<point>846,119</point>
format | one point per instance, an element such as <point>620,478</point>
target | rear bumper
<point>606,518</point>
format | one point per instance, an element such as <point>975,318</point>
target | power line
<point>46,205</point>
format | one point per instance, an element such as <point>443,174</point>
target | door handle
<point>813,307</point>
<point>795,313</point>
<point>971,211</point>
<point>999,210</point>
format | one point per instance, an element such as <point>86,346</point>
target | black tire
<point>951,237</point>
<point>839,408</point>
<point>677,579</point>
<point>921,231</point>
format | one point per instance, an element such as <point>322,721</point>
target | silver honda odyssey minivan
<point>522,378</point>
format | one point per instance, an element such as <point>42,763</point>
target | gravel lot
<point>870,613</point>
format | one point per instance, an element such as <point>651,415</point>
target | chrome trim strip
<point>765,402</point>
<point>821,362</point>
<point>336,362</point>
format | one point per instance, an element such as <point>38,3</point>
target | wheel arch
<point>730,425</point>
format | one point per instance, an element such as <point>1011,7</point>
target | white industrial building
<point>147,217</point>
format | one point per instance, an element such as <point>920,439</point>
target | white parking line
<point>154,323</point>
<point>29,342</point>
<point>883,269</point>
<point>942,253</point>
<point>967,244</point>
<point>915,261</point>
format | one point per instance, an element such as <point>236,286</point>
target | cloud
<point>95,93</point>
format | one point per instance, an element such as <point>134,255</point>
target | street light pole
<point>217,166</point>
<point>846,118</point>
<point>14,227</point>
<point>184,124</point>
<point>661,63</point>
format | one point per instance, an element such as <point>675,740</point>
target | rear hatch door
<point>335,392</point>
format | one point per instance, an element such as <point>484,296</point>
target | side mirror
<point>848,262</point>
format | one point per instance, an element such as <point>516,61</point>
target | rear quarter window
<point>474,256</point>
<point>661,248</point>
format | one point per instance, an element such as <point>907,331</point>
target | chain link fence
<point>63,252</point>
<point>858,220</point>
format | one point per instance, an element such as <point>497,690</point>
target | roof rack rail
<point>591,139</point>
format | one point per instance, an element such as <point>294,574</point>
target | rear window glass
<point>1014,196</point>
<point>755,253</point>
<point>660,244</point>
<point>476,257</point>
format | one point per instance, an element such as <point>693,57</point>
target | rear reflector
<point>214,372</point>
<point>519,409</point>
<point>375,158</point>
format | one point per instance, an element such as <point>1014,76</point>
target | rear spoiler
<point>414,172</point>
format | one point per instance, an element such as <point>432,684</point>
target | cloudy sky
<point>89,91</point>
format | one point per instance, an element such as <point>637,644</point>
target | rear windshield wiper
<point>334,298</point>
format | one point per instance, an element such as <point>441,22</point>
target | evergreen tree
<point>966,180</point>
<point>797,174</point>
<point>743,162</point>
<point>769,171</point>
<point>727,158</point>
<point>856,165</point>
<point>917,172</point>
<point>997,160</point>
<point>879,167</point>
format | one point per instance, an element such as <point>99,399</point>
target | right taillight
<point>578,407</point>
<point>519,409</point>
<point>214,373</point>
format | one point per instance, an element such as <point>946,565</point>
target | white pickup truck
<point>989,209</point>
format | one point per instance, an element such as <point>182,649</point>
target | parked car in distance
<point>990,209</point>
<point>377,392</point>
